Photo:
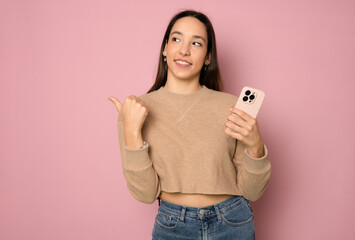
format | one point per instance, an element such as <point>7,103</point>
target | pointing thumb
<point>117,103</point>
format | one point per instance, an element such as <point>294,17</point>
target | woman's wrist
<point>257,151</point>
<point>133,140</point>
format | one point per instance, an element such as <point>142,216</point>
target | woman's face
<point>186,49</point>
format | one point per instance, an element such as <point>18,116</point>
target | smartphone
<point>250,100</point>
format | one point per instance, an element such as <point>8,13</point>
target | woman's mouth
<point>182,63</point>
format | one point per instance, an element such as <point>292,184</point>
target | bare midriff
<point>193,200</point>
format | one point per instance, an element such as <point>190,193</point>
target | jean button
<point>202,211</point>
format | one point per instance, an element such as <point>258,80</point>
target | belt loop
<point>218,213</point>
<point>182,215</point>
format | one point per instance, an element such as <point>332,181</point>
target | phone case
<point>250,100</point>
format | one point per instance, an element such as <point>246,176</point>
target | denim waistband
<point>206,211</point>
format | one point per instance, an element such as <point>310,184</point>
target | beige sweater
<point>188,150</point>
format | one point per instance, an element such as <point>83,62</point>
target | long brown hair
<point>211,77</point>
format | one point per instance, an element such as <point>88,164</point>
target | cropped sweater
<point>187,150</point>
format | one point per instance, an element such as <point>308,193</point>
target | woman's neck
<point>182,87</point>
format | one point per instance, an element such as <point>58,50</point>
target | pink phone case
<point>250,100</point>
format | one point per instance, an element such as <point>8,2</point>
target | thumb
<point>117,103</point>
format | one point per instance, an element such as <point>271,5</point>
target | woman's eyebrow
<point>194,36</point>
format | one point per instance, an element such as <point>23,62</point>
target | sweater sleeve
<point>252,173</point>
<point>142,180</point>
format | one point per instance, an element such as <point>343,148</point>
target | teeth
<point>182,63</point>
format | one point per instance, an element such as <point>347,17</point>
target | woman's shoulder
<point>149,97</point>
<point>220,96</point>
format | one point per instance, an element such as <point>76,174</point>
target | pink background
<point>60,167</point>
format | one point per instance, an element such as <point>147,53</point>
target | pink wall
<point>60,169</point>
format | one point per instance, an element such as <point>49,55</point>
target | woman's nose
<point>185,49</point>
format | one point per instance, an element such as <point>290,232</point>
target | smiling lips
<point>182,63</point>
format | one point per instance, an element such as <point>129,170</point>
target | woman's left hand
<point>245,129</point>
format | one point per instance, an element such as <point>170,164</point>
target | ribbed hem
<point>257,164</point>
<point>137,158</point>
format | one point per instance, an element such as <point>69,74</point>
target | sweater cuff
<point>137,158</point>
<point>256,164</point>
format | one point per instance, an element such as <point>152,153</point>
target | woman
<point>182,144</point>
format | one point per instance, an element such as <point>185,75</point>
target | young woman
<point>181,144</point>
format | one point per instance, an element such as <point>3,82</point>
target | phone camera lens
<point>245,99</point>
<point>252,97</point>
<point>247,92</point>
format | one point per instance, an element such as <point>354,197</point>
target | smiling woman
<point>178,31</point>
<point>186,51</point>
<point>182,144</point>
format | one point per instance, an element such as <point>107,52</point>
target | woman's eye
<point>197,44</point>
<point>175,39</point>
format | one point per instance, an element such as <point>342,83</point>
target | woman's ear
<point>208,59</point>
<point>164,52</point>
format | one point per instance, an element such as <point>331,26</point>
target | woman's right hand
<point>133,113</point>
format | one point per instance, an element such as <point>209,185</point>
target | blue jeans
<point>232,218</point>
